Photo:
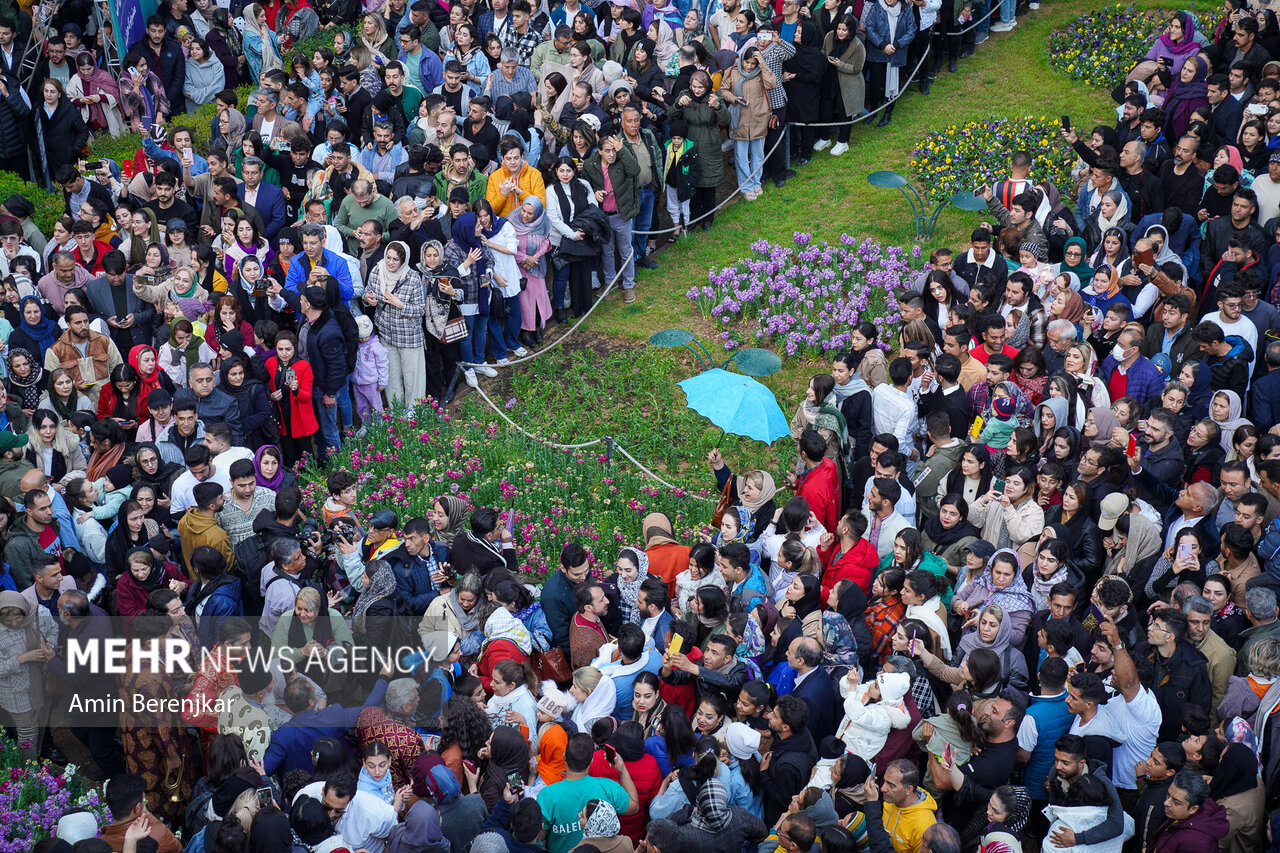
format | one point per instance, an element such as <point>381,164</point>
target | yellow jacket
<point>528,183</point>
<point>906,825</point>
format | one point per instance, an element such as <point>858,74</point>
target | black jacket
<point>954,405</point>
<point>466,555</point>
<point>64,134</point>
<point>1224,121</point>
<point>15,116</point>
<point>788,774</point>
<point>1182,678</point>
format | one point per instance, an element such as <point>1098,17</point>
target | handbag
<point>552,665</point>
<point>497,303</point>
<point>455,328</point>
<point>722,505</point>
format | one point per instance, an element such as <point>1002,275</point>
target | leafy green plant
<point>49,205</point>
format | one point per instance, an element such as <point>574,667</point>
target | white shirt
<point>222,462</point>
<point>181,495</point>
<point>892,412</point>
<point>1243,327</point>
<point>1138,722</point>
<point>367,822</point>
<point>1268,192</point>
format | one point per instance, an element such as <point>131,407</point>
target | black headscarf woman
<point>508,753</point>
<point>847,794</point>
<point>25,390</point>
<point>944,537</point>
<point>154,472</point>
<point>122,541</point>
<point>1237,772</point>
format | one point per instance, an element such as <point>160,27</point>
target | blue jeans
<point>503,336</point>
<point>472,346</point>
<point>560,286</point>
<point>643,220</point>
<point>329,425</point>
<point>748,159</point>
<point>1007,9</point>
<point>344,405</point>
<point>980,10</point>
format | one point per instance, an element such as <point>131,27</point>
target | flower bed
<point>806,298</point>
<point>1100,48</point>
<point>962,157</point>
<point>33,797</point>
<point>407,459</point>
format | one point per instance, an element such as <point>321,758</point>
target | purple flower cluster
<point>33,797</point>
<point>806,298</point>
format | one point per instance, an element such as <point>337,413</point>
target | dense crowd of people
<point>1020,586</point>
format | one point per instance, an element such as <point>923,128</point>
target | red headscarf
<point>146,384</point>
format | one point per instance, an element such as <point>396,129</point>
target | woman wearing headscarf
<point>308,633</point>
<point>1069,306</point>
<point>466,252</point>
<point>533,230</point>
<point>595,697</point>
<point>97,94</point>
<point>505,638</point>
<point>448,516</point>
<point>37,331</point>
<point>705,113</point>
<point>439,291</point>
<point>507,752</point>
<point>802,603</point>
<point>602,829</point>
<point>1236,787</point>
<point>753,491</point>
<point>994,631</point>
<point>1006,814</point>
<point>261,47</point>
<point>1136,555</point>
<point>1225,410</point>
<point>419,832</point>
<point>1075,256</point>
<point>1188,94</point>
<point>1100,426</point>
<point>228,129</point>
<point>842,623</point>
<point>395,290</point>
<point>745,88</point>
<point>1000,583</point>
<point>28,634</point>
<point>1175,44</point>
<point>1110,215</point>
<point>667,556</point>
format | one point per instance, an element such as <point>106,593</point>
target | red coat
<point>858,565</point>
<point>821,488</point>
<point>131,596</point>
<point>301,421</point>
<point>494,651</point>
<point>647,778</point>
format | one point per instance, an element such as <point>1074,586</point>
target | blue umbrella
<point>737,404</point>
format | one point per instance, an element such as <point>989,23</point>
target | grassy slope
<point>588,397</point>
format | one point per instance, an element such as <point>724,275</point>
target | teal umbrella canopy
<point>737,404</point>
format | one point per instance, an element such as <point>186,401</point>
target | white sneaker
<point>502,362</point>
<point>839,148</point>
<point>486,370</point>
<point>470,376</point>
<point>821,144</point>
<point>1003,26</point>
<point>520,352</point>
<point>1033,6</point>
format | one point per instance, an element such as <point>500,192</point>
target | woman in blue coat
<point>890,28</point>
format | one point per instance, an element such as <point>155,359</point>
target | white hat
<point>77,826</point>
<point>741,740</point>
<point>364,326</point>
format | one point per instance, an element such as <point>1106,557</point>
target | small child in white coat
<point>372,369</point>
<point>872,709</point>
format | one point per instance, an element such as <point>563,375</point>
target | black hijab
<point>1237,772</point>
<point>943,537</point>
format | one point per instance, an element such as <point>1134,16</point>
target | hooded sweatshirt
<point>867,722</point>
<point>906,824</point>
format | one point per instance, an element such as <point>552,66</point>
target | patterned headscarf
<point>746,523</point>
<point>713,811</point>
<point>603,822</point>
<point>629,591</point>
<point>503,626</point>
<point>1019,809</point>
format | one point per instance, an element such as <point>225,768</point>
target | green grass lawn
<point>599,392</point>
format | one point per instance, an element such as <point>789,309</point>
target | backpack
<point>252,557</point>
<point>1269,549</point>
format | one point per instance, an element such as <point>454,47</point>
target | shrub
<point>962,157</point>
<point>49,205</point>
<point>33,797</point>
